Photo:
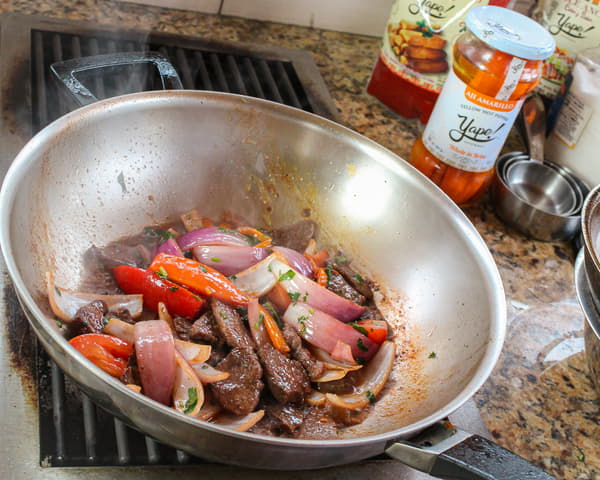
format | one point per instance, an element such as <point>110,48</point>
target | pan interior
<point>108,170</point>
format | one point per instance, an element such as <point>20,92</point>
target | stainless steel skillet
<point>107,170</point>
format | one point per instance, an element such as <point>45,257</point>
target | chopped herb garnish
<point>581,456</point>
<point>105,321</point>
<point>287,275</point>
<point>173,288</point>
<point>188,254</point>
<point>273,312</point>
<point>204,367</point>
<point>259,322</point>
<point>223,315</point>
<point>166,235</point>
<point>215,259</point>
<point>361,345</point>
<point>161,272</point>
<point>340,259</point>
<point>233,277</point>
<point>432,355</point>
<point>370,396</point>
<point>358,278</point>
<point>305,296</point>
<point>85,323</point>
<point>360,360</point>
<point>153,232</point>
<point>57,291</point>
<point>311,311</point>
<point>192,400</point>
<point>294,296</point>
<point>203,269</point>
<point>59,324</point>
<point>197,298</point>
<point>359,328</point>
<point>302,321</point>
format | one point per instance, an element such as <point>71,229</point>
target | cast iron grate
<point>73,432</point>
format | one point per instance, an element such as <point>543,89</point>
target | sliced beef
<point>317,425</point>
<point>287,380</point>
<point>338,284</point>
<point>90,317</point>
<point>218,352</point>
<point>284,419</point>
<point>313,367</point>
<point>295,236</point>
<point>124,315</point>
<point>360,284</point>
<point>230,325</point>
<point>240,392</point>
<point>182,328</point>
<point>339,387</point>
<point>372,313</point>
<point>204,329</point>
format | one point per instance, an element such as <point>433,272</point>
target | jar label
<point>572,119</point>
<point>467,129</point>
<point>417,44</point>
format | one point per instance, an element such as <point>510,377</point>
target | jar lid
<point>510,32</point>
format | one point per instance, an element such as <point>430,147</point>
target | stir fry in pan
<point>246,328</point>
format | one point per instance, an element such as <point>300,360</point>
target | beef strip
<point>90,317</point>
<point>230,325</point>
<point>124,315</point>
<point>313,367</point>
<point>240,392</point>
<point>281,419</point>
<point>204,329</point>
<point>182,328</point>
<point>339,387</point>
<point>317,425</point>
<point>338,284</point>
<point>360,284</point>
<point>295,236</point>
<point>287,380</point>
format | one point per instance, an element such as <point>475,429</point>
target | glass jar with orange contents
<point>497,62</point>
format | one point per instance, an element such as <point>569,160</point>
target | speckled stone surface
<point>539,402</point>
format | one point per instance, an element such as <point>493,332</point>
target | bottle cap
<point>510,32</point>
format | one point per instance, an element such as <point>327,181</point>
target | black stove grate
<point>73,432</point>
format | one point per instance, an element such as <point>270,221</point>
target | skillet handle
<point>66,72</point>
<point>446,452</point>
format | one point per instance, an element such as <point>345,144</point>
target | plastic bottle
<point>497,62</point>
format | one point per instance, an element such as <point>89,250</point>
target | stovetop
<point>71,430</point>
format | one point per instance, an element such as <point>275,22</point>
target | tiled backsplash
<point>354,16</point>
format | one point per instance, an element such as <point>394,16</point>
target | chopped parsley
<point>329,273</point>
<point>273,312</point>
<point>173,288</point>
<point>166,235</point>
<point>311,311</point>
<point>204,367</point>
<point>188,254</point>
<point>432,355</point>
<point>340,259</point>
<point>233,277</point>
<point>215,259</point>
<point>361,345</point>
<point>287,275</point>
<point>105,321</point>
<point>161,272</point>
<point>203,269</point>
<point>359,328</point>
<point>302,321</point>
<point>59,324</point>
<point>360,360</point>
<point>370,396</point>
<point>305,296</point>
<point>57,291</point>
<point>223,315</point>
<point>259,322</point>
<point>294,296</point>
<point>198,298</point>
<point>192,401</point>
<point>581,456</point>
<point>358,278</point>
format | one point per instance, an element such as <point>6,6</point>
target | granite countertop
<point>539,401</point>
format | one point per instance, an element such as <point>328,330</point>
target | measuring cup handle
<point>66,72</point>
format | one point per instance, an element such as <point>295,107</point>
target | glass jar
<point>497,62</point>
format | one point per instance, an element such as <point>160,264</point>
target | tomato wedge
<point>198,277</point>
<point>377,330</point>
<point>178,300</point>
<point>106,352</point>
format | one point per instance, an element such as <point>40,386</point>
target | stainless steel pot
<point>107,170</point>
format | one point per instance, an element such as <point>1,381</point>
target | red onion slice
<point>211,236</point>
<point>314,294</point>
<point>257,280</point>
<point>296,260</point>
<point>227,259</point>
<point>171,247</point>
<point>324,331</point>
<point>155,354</point>
<point>188,392</point>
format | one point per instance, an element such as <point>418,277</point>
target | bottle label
<point>417,44</point>
<point>467,129</point>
